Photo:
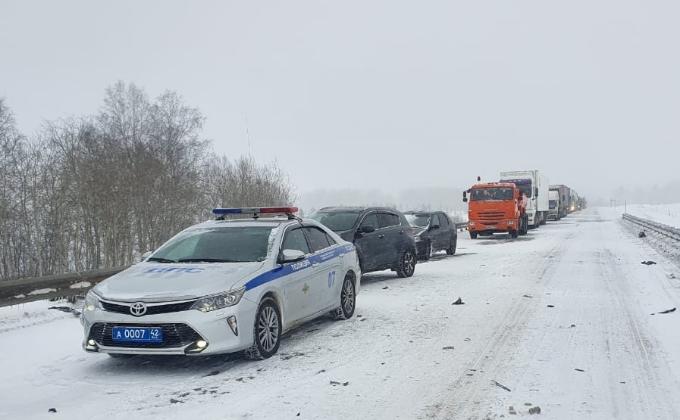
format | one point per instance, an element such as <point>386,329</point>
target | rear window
<point>418,220</point>
<point>337,221</point>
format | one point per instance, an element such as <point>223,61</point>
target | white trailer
<point>535,187</point>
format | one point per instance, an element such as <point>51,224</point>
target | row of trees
<point>96,191</point>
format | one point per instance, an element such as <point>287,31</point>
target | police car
<point>223,286</point>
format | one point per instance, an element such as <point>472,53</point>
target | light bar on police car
<point>221,211</point>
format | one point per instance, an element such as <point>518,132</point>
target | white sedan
<point>224,286</point>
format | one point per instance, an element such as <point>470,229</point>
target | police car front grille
<point>174,335</point>
<point>150,310</point>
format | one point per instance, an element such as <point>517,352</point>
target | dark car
<point>434,232</point>
<point>383,237</point>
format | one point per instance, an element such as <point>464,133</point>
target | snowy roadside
<point>27,315</point>
<point>559,320</point>
<point>667,214</point>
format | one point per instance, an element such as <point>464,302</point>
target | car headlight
<point>92,302</point>
<point>223,300</point>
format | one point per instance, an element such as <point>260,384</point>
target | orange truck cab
<point>496,207</point>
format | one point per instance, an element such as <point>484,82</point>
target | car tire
<point>407,263</point>
<point>451,250</point>
<point>266,331</point>
<point>473,235</point>
<point>348,299</point>
<point>428,252</point>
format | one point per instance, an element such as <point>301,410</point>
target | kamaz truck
<point>496,207</point>
<point>532,184</point>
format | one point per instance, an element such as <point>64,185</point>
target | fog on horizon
<point>386,96</point>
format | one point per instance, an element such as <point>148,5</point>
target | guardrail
<point>24,290</point>
<point>660,228</point>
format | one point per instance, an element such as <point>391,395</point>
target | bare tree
<point>97,191</point>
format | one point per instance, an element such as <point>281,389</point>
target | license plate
<point>137,334</point>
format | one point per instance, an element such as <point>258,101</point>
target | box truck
<point>535,187</point>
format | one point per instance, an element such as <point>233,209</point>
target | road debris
<point>580,370</point>
<point>447,348</point>
<point>642,234</point>
<point>668,311</point>
<point>500,385</point>
<point>535,410</point>
<point>52,410</point>
<point>458,302</point>
<point>650,262</point>
<point>336,383</point>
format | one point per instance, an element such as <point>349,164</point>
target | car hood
<point>154,282</point>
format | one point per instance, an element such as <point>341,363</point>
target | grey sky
<point>377,94</point>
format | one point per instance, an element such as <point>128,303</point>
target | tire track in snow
<point>464,395</point>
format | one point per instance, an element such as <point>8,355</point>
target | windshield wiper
<point>208,260</point>
<point>161,260</point>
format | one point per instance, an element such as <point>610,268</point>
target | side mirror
<point>536,191</point>
<point>465,197</point>
<point>291,255</point>
<point>145,255</point>
<point>366,229</point>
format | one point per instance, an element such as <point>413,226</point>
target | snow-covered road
<point>559,320</point>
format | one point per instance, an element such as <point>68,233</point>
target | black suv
<point>383,237</point>
<point>434,232</point>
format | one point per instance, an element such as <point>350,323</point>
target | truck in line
<point>554,205</point>
<point>496,207</point>
<point>565,194</point>
<point>535,187</point>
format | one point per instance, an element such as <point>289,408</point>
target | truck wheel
<point>473,235</point>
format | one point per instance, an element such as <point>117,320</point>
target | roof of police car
<point>246,222</point>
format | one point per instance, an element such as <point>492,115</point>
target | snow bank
<point>668,214</point>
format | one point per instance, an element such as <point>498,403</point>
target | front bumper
<point>181,331</point>
<point>502,226</point>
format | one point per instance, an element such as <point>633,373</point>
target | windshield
<point>524,186</point>
<point>418,220</point>
<point>221,244</point>
<point>337,221</point>
<point>486,194</point>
